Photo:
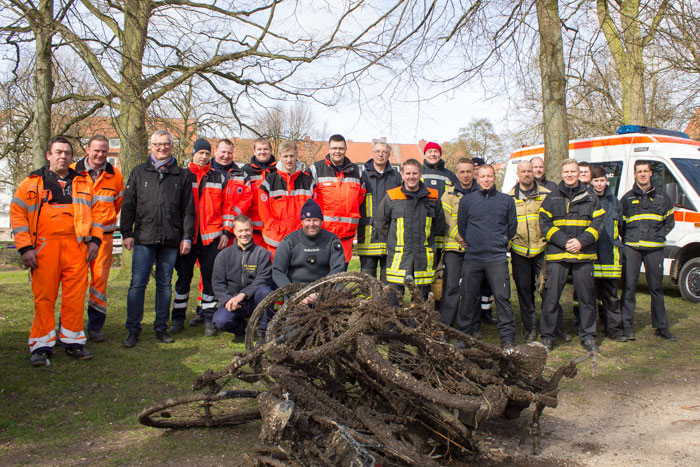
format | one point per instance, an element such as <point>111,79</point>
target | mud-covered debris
<point>344,378</point>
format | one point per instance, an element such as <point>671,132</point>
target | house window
<point>114,143</point>
<point>112,160</point>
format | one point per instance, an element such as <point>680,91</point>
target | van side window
<point>613,169</point>
<point>661,176</point>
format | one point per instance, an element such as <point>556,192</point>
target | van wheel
<point>689,280</point>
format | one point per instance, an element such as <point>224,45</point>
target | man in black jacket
<point>571,220</point>
<point>487,221</point>
<point>157,221</point>
<point>241,278</point>
<point>647,218</point>
<point>381,177</point>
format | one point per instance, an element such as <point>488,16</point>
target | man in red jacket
<point>282,193</point>
<point>340,190</point>
<point>213,205</point>
<point>261,165</point>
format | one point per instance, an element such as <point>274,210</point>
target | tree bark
<point>43,82</point>
<point>552,73</point>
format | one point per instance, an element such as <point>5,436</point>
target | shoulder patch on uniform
<point>263,197</point>
<point>239,190</point>
<point>337,246</point>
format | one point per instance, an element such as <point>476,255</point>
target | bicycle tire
<point>252,331</point>
<point>198,410</point>
<point>345,301</point>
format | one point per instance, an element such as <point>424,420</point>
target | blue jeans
<point>142,261</point>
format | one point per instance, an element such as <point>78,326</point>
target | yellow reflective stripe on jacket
<point>646,244</point>
<point>551,232</point>
<point>593,232</point>
<point>525,251</point>
<point>598,212</point>
<point>643,217</point>
<point>572,222</point>
<point>549,214</point>
<point>669,213</point>
<point>567,255</point>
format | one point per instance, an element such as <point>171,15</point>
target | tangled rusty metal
<point>340,377</point>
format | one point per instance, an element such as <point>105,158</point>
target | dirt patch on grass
<point>648,422</point>
<point>652,422</point>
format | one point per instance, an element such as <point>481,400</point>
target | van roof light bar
<point>624,129</point>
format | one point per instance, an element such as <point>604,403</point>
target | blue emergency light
<point>624,129</point>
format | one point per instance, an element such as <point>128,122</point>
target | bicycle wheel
<point>325,311</point>
<point>253,334</point>
<point>196,410</point>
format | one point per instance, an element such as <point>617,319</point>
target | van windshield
<point>691,171</point>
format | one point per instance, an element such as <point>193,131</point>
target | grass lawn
<point>85,412</point>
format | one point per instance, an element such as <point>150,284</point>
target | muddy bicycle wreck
<point>340,377</point>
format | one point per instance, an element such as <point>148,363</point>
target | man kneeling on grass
<point>241,278</point>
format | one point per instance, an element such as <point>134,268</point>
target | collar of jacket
<point>369,167</point>
<point>638,190</point>
<point>280,168</point>
<point>44,171</point>
<point>577,193</point>
<point>517,191</point>
<point>437,166</point>
<point>460,189</point>
<point>224,169</point>
<point>199,170</point>
<point>490,192</point>
<point>80,166</point>
<point>249,246</point>
<point>421,192</point>
<point>171,169</point>
<point>262,165</point>
<point>346,166</point>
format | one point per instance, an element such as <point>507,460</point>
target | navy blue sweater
<point>487,221</point>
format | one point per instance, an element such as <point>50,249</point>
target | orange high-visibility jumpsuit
<point>108,191</point>
<point>57,232</point>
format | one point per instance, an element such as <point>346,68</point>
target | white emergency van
<point>675,163</point>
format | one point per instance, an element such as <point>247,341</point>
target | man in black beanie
<point>309,253</point>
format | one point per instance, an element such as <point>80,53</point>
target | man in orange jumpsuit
<point>108,190</point>
<point>52,221</point>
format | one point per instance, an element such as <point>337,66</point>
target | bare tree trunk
<point>43,83</point>
<point>552,72</point>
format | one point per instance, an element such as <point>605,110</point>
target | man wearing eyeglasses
<point>157,222</point>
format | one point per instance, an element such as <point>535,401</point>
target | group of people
<point>266,224</point>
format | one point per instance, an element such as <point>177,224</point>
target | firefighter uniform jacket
<point>108,192</point>
<point>158,209</point>
<point>450,204</point>
<point>257,172</point>
<point>437,177</point>
<point>408,221</point>
<point>571,213</point>
<point>339,190</point>
<point>281,197</point>
<point>609,262</point>
<point>529,240</point>
<point>212,205</point>
<point>647,218</point>
<point>377,184</point>
<point>33,193</point>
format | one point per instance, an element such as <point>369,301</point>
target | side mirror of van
<point>677,196</point>
<point>673,192</point>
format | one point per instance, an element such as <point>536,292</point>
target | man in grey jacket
<point>241,278</point>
